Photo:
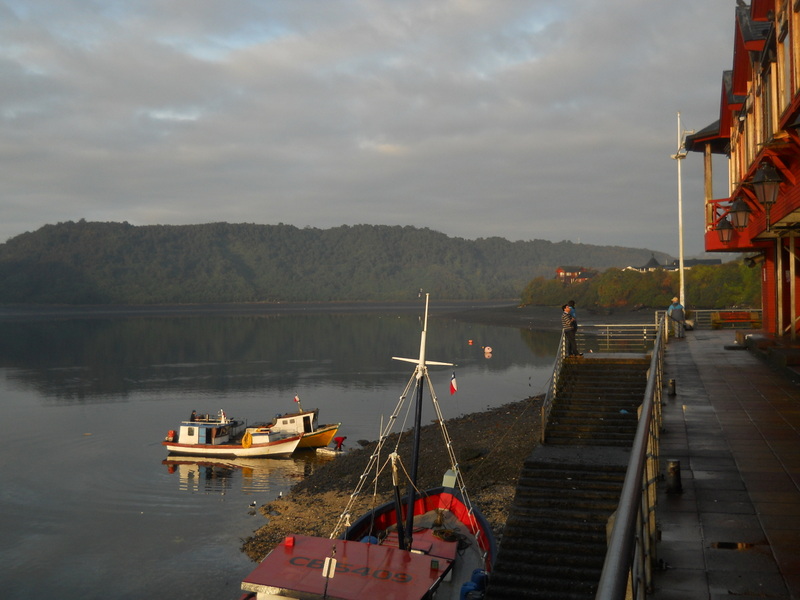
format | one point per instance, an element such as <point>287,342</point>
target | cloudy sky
<point>524,119</point>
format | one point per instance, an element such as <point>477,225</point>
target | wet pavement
<point>733,429</point>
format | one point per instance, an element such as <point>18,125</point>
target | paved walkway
<point>734,425</point>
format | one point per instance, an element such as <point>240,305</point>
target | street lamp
<point>766,183</point>
<point>678,157</point>
<point>724,230</point>
<point>739,213</point>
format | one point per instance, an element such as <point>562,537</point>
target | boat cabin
<point>208,430</point>
<point>296,423</point>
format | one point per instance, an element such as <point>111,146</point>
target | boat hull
<point>278,448</point>
<point>319,438</point>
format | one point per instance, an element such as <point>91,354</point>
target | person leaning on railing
<point>676,313</point>
<point>568,327</point>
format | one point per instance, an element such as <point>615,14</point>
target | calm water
<point>89,505</point>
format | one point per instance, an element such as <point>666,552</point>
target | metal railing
<point>628,568</point>
<point>552,387</point>
<point>702,319</point>
<point>614,337</point>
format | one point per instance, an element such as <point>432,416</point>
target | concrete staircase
<point>597,402</point>
<point>554,541</point>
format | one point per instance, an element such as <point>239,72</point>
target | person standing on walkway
<point>568,329</point>
<point>573,314</point>
<point>678,316</point>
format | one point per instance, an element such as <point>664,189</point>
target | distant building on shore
<point>569,274</point>
<point>653,264</point>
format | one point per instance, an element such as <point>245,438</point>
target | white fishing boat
<point>428,543</point>
<point>220,437</point>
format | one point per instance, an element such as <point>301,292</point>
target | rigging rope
<point>373,460</point>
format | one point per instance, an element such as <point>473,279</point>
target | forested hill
<point>118,263</point>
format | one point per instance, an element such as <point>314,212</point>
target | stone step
<point>576,485</point>
<point>559,440</point>
<point>594,416</point>
<point>529,517</point>
<point>523,583</point>
<point>583,536</point>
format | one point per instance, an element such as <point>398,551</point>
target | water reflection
<point>265,476</point>
<point>80,359</point>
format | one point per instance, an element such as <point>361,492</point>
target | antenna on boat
<point>421,362</point>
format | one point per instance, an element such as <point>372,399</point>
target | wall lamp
<point>739,213</point>
<point>766,183</point>
<point>724,230</point>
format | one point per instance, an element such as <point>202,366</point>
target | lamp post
<point>678,157</point>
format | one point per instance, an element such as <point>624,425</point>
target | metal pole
<point>679,156</point>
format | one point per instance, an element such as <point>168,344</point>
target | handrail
<point>552,386</point>
<point>701,318</point>
<point>631,546</point>
<point>617,337</point>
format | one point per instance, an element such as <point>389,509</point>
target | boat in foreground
<point>220,437</point>
<point>427,544</point>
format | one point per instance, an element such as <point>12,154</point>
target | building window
<point>785,86</point>
<point>792,46</point>
<point>768,124</point>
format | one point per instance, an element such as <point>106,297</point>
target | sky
<point>521,119</point>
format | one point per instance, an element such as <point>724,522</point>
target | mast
<point>421,373</point>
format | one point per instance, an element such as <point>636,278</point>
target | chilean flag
<point>297,399</point>
<point>453,384</point>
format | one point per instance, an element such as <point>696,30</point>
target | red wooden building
<point>568,274</point>
<point>758,130</point>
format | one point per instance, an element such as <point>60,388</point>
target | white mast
<point>678,157</point>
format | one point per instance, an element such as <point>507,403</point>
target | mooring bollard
<point>671,387</point>
<point>674,477</point>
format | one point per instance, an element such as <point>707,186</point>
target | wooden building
<point>758,130</point>
<point>569,274</point>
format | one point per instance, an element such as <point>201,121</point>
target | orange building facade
<point>759,132</point>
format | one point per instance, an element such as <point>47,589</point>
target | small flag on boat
<point>297,399</point>
<point>453,384</point>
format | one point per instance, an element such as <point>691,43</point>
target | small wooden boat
<point>431,543</point>
<point>220,437</point>
<point>307,423</point>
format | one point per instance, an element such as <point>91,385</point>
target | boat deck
<point>362,570</point>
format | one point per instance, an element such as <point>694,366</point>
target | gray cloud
<point>515,118</point>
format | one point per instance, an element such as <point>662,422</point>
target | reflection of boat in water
<point>307,423</point>
<point>221,437</point>
<point>257,474</point>
<point>429,543</point>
